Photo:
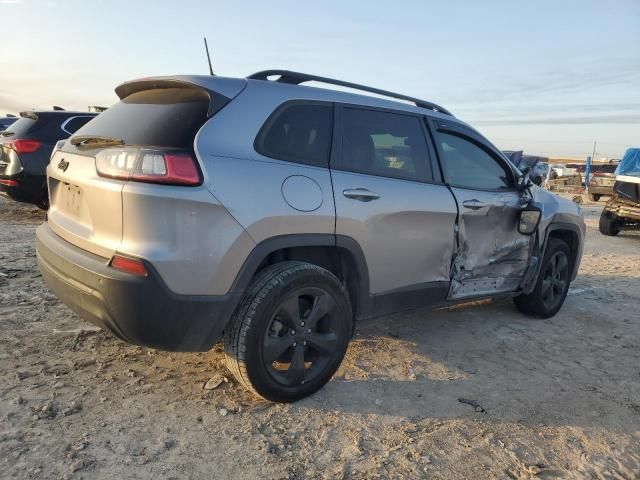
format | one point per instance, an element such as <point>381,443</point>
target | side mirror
<point>529,220</point>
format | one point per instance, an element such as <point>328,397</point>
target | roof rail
<point>296,78</point>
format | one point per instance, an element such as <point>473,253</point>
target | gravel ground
<point>556,398</point>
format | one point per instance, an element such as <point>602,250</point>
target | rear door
<point>388,202</point>
<point>492,255</point>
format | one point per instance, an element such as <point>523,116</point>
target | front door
<point>492,256</point>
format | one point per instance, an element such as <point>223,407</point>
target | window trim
<point>276,113</point>
<point>337,159</point>
<point>458,132</point>
<point>64,124</point>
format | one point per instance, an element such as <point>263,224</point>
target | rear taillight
<point>8,183</point>
<point>148,165</point>
<point>24,146</point>
<point>129,265</point>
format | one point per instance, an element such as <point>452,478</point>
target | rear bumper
<point>139,310</point>
<point>23,188</point>
<point>599,190</point>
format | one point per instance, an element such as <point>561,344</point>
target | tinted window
<point>6,122</point>
<point>75,123</point>
<point>20,127</point>
<point>467,165</point>
<point>168,117</point>
<point>385,144</point>
<point>298,132</point>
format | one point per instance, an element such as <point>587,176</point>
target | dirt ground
<point>557,398</point>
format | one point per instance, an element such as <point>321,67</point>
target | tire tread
<point>531,304</point>
<point>264,284</point>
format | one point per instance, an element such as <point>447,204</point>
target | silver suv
<point>274,216</point>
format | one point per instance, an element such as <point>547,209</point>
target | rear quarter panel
<point>186,233</point>
<point>250,185</point>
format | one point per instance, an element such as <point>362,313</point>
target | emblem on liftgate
<point>63,165</point>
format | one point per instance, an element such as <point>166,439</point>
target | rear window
<point>604,168</point>
<point>19,128</point>
<point>6,122</point>
<point>168,117</point>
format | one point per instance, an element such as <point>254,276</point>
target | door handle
<point>361,194</point>
<point>474,204</point>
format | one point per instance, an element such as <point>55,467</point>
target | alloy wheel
<point>302,337</point>
<point>555,279</point>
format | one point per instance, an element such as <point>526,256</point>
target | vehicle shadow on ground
<point>576,368</point>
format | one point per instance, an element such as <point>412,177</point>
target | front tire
<point>552,285</point>
<point>608,224</point>
<point>290,332</point>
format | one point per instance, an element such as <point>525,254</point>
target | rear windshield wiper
<point>6,133</point>
<point>88,141</point>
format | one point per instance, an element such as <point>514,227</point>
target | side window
<point>298,132</point>
<point>74,123</point>
<point>384,144</point>
<point>467,165</point>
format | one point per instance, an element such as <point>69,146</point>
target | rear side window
<point>384,144</point>
<point>20,127</point>
<point>73,124</point>
<point>6,122</point>
<point>469,166</point>
<point>168,117</point>
<point>298,132</point>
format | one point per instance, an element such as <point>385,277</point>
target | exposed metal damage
<point>489,258</point>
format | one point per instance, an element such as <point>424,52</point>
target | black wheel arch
<point>339,254</point>
<point>571,235</point>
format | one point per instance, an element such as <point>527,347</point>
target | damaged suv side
<point>273,216</point>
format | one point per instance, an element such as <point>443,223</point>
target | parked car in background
<point>5,122</point>
<point>274,215</point>
<point>25,149</point>
<point>601,184</point>
<point>601,180</point>
<point>535,165</point>
<point>539,173</point>
<point>622,211</point>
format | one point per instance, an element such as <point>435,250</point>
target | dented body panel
<point>407,235</point>
<point>559,214</point>
<point>491,256</point>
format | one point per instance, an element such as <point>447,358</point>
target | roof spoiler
<point>29,114</point>
<point>218,97</point>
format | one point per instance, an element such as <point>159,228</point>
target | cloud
<point>9,104</point>
<point>10,2</point>
<point>532,86</point>
<point>584,120</point>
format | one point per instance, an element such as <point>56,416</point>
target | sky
<point>549,77</point>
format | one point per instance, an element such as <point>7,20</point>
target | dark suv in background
<point>25,149</point>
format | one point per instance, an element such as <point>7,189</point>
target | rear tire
<point>594,197</point>
<point>608,224</point>
<point>294,315</point>
<point>552,284</point>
